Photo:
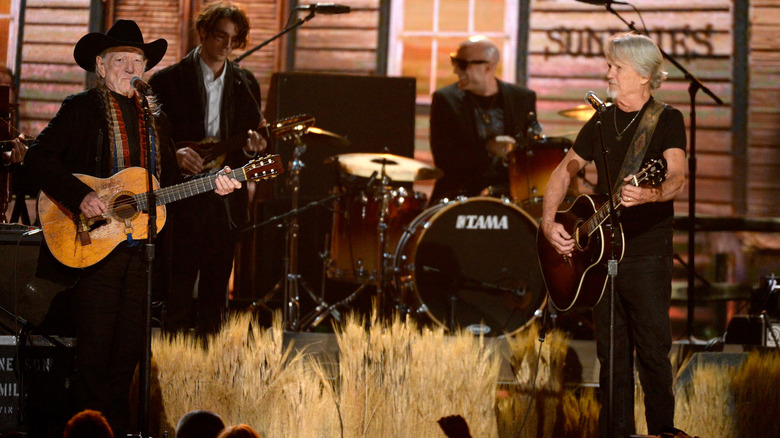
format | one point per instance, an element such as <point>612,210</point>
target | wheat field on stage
<point>396,379</point>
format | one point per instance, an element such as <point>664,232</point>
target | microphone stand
<point>298,23</point>
<point>693,88</point>
<point>151,206</point>
<point>612,272</point>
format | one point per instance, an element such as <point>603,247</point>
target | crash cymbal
<point>330,135</point>
<point>396,167</point>
<point>582,112</point>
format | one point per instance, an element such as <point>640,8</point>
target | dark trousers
<point>203,250</point>
<point>108,308</point>
<point>642,297</point>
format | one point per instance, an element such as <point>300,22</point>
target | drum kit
<point>465,263</point>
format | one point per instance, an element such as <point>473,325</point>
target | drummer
<point>475,122</point>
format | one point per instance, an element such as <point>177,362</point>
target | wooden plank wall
<point>565,61</point>
<point>344,43</point>
<point>763,154</point>
<point>48,72</point>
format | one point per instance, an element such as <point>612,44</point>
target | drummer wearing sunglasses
<point>475,122</point>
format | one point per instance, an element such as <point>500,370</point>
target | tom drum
<point>354,241</point>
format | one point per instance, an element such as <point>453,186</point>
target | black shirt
<point>648,227</point>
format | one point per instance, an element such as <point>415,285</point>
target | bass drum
<point>471,264</point>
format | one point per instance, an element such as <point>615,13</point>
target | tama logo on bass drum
<point>482,222</point>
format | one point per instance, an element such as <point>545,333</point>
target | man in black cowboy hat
<point>207,95</point>
<point>99,132</point>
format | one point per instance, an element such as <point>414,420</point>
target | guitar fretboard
<point>185,190</point>
<point>602,213</point>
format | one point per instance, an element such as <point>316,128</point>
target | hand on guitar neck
<point>14,150</point>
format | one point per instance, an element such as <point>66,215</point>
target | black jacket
<point>76,140</point>
<point>179,88</point>
<point>455,144</point>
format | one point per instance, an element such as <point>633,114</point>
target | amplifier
<point>39,397</point>
<point>18,260</point>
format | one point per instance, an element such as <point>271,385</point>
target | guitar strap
<point>636,152</point>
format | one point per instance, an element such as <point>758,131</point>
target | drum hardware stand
<point>285,216</point>
<point>382,258</point>
<point>323,309</point>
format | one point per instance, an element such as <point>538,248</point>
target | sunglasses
<point>463,64</point>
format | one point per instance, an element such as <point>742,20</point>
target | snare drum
<point>354,238</point>
<point>471,264</point>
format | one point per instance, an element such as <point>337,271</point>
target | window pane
<point>453,15</point>
<point>489,16</point>
<point>444,74</point>
<point>418,15</point>
<point>416,62</point>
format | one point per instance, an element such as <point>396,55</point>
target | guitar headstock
<point>265,167</point>
<point>290,127</point>
<point>653,173</point>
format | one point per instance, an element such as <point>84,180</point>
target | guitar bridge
<point>83,230</point>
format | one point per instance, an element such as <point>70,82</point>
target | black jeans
<point>203,250</point>
<point>108,308</point>
<point>642,295</point>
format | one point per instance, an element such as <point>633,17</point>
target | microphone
<point>326,8</point>
<point>141,86</point>
<point>595,102</point>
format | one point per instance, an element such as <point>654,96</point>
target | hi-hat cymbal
<point>396,167</point>
<point>582,112</point>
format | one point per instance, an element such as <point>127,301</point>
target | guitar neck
<point>185,190</point>
<point>601,215</point>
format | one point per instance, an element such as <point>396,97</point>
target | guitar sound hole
<point>125,207</point>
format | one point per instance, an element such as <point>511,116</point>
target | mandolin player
<point>205,95</point>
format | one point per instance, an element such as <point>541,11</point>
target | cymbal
<point>396,167</point>
<point>583,112</point>
<point>545,142</point>
<point>331,135</point>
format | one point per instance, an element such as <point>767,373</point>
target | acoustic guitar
<point>214,151</point>
<point>579,280</point>
<point>79,242</point>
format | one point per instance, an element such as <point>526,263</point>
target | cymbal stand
<point>292,279</point>
<point>382,256</point>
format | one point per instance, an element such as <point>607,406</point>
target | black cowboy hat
<point>122,33</point>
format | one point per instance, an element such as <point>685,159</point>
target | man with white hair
<point>643,283</point>
<point>474,120</point>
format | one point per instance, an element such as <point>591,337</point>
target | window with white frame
<point>424,32</point>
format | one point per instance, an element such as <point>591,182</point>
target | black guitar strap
<point>636,152</point>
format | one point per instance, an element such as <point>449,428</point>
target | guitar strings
<point>602,212</point>
<point>207,183</point>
